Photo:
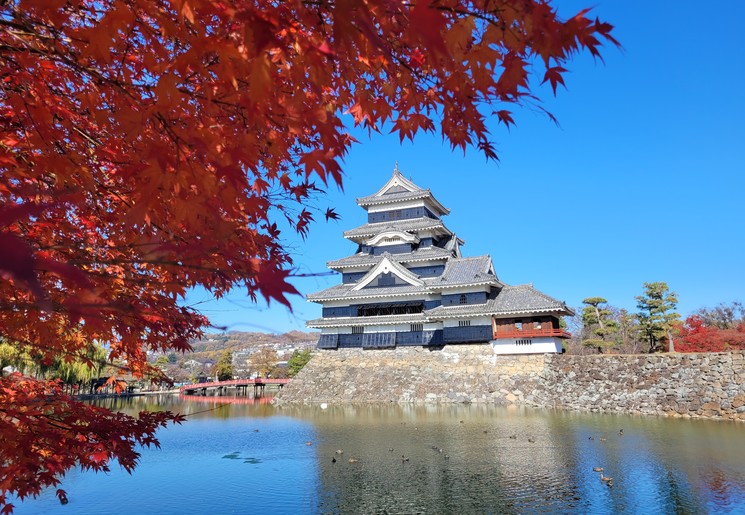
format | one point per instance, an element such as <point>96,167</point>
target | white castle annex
<point>409,285</point>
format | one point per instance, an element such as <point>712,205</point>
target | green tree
<point>598,323</point>
<point>657,314</point>
<point>162,361</point>
<point>297,361</point>
<point>224,366</point>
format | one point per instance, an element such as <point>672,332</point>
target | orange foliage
<point>145,147</point>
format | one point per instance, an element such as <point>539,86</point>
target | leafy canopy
<point>148,147</point>
<point>297,361</point>
<point>657,313</point>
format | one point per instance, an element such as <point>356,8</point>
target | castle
<point>409,285</point>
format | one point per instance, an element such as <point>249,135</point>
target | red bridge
<point>256,383</point>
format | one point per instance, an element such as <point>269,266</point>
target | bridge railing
<point>235,382</point>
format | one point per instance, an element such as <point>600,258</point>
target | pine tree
<point>657,314</point>
<point>598,321</point>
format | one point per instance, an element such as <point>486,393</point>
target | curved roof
<point>409,225</point>
<point>511,300</point>
<point>364,259</point>
<point>400,189</point>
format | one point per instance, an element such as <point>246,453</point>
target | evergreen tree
<point>657,314</point>
<point>224,366</point>
<point>297,361</point>
<point>599,323</point>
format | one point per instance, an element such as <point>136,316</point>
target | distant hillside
<point>209,348</point>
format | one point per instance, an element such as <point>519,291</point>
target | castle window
<point>464,323</point>
<point>518,325</point>
<point>524,342</point>
<point>463,299</point>
<point>358,329</point>
<point>536,323</point>
<point>417,328</point>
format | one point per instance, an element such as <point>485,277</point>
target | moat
<point>257,458</point>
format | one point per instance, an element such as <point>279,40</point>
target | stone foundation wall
<point>688,385</point>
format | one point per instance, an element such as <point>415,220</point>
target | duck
<point>339,451</point>
<point>531,439</point>
<point>597,469</point>
<point>353,460</point>
<point>513,437</point>
<point>404,459</point>
<point>333,460</point>
<point>309,443</point>
<point>390,449</point>
<point>620,432</point>
<point>605,479</point>
<point>590,438</point>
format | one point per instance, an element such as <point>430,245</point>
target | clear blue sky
<point>643,180</point>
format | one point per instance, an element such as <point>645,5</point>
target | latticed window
<point>417,328</point>
<point>358,329</point>
<point>464,323</point>
<point>524,342</point>
<point>463,299</point>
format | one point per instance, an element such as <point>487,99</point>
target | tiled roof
<point>463,272</point>
<point>344,291</point>
<point>395,267</point>
<point>458,272</point>
<point>400,189</point>
<point>422,254</point>
<point>414,318</point>
<point>511,300</point>
<point>391,197</point>
<point>409,225</point>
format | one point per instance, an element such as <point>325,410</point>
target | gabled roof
<point>465,272</point>
<point>511,300</point>
<point>400,189</point>
<point>386,265</point>
<point>454,244</point>
<point>364,259</point>
<point>409,225</point>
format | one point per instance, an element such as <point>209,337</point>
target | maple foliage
<point>148,147</point>
<point>696,336</point>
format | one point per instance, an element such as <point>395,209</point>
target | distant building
<point>409,285</point>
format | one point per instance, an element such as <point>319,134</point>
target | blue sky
<point>643,180</point>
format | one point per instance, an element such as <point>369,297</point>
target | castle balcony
<point>531,333</point>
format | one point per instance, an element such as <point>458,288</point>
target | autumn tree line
<point>656,326</point>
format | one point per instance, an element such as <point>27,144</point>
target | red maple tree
<point>148,147</point>
<point>696,336</point>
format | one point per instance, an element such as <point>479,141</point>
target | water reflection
<point>251,457</point>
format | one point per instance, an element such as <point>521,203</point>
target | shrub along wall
<point>688,385</point>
